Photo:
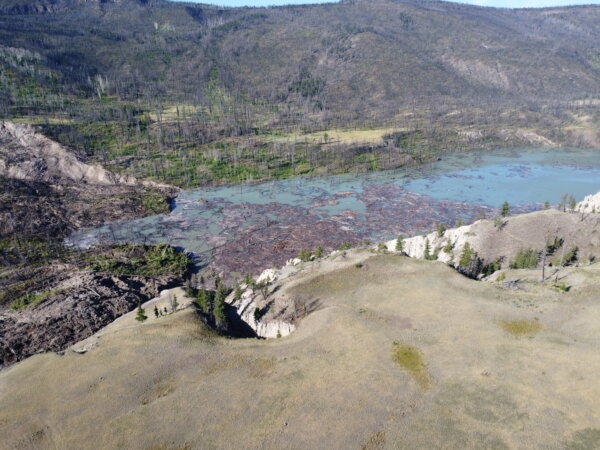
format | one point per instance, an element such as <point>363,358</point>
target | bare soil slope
<point>401,354</point>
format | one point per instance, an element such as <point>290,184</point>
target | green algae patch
<point>411,360</point>
<point>520,328</point>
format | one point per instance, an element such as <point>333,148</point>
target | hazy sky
<point>499,3</point>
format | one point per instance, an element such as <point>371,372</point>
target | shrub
<point>319,252</point>
<point>30,300</point>
<point>525,259</point>
<point>571,256</point>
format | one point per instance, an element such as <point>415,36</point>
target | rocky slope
<point>500,240</point>
<point>49,307</point>
<point>75,308</point>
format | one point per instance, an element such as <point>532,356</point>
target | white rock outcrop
<point>590,204</point>
<point>453,239</point>
<point>268,276</point>
<point>266,327</point>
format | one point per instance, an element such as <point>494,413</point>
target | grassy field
<point>402,354</point>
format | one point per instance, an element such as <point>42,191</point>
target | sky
<point>496,3</point>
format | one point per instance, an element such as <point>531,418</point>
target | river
<point>233,230</point>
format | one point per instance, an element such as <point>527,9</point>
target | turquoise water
<point>377,204</point>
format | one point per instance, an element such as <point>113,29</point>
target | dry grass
<point>169,383</point>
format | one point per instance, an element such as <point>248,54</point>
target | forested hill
<point>131,64</point>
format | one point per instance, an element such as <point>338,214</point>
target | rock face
<point>267,323</point>
<point>590,204</point>
<point>80,305</point>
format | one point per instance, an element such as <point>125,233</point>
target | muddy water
<point>245,228</point>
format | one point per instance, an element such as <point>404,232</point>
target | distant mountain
<point>356,58</point>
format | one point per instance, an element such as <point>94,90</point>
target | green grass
<point>520,328</point>
<point>31,300</point>
<point>411,360</point>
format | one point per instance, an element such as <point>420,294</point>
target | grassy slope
<point>170,383</point>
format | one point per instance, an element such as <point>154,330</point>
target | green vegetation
<point>467,255</point>
<point>441,229</point>
<point>304,255</point>
<point>563,287</point>
<point>155,204</point>
<point>526,259</point>
<point>520,328</point>
<point>505,210</point>
<point>143,260</point>
<point>345,246</point>
<point>400,244</point>
<point>501,277</point>
<point>427,250</point>
<point>31,300</point>
<point>219,311</point>
<point>140,314</point>
<point>411,359</point>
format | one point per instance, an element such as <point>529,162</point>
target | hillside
<point>400,354</point>
<point>196,94</point>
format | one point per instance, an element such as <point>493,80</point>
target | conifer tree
<point>156,313</point>
<point>400,244</point>
<point>427,251</point>
<point>141,314</point>
<point>505,211</point>
<point>203,301</point>
<point>219,311</point>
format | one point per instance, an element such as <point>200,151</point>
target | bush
<point>525,259</point>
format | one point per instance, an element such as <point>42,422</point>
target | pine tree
<point>203,301</point>
<point>141,314</point>
<point>238,293</point>
<point>318,252</point>
<point>427,251</point>
<point>174,303</point>
<point>505,211</point>
<point>156,313</point>
<point>219,311</point>
<point>466,255</point>
<point>441,229</point>
<point>400,244</point>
